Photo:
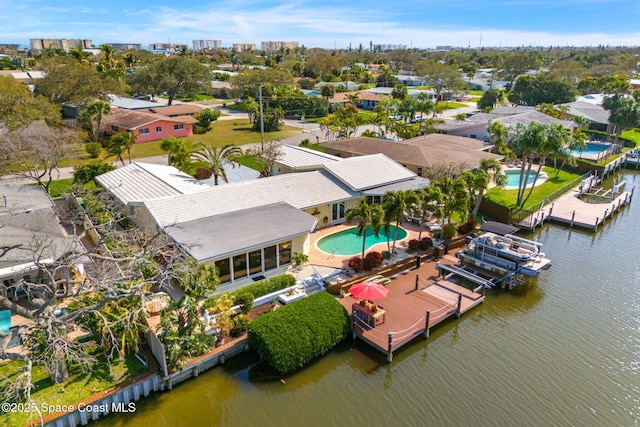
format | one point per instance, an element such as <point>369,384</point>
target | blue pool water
<point>513,178</point>
<point>346,242</point>
<point>593,149</point>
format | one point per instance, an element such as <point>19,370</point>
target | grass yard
<point>80,385</point>
<point>477,93</point>
<point>63,186</point>
<point>632,134</point>
<point>508,198</point>
<point>448,105</point>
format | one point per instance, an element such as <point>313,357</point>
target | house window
<point>255,262</point>
<point>284,253</point>
<point>374,200</point>
<point>419,173</point>
<point>239,266</point>
<point>114,128</point>
<point>270,258</point>
<point>224,270</point>
<point>144,131</point>
<point>158,129</point>
<point>338,211</point>
<point>178,127</point>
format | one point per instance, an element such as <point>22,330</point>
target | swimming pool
<point>513,178</point>
<point>346,242</point>
<point>592,150</point>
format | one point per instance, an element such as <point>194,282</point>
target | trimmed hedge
<point>293,334</point>
<point>258,290</point>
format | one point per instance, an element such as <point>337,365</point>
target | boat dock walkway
<point>417,301</point>
<point>570,209</point>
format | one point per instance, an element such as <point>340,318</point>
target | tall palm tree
<point>94,115</point>
<point>498,136</point>
<point>396,204</point>
<point>527,143</point>
<point>368,215</point>
<point>120,144</point>
<point>454,196</point>
<point>493,169</point>
<point>217,158</point>
<point>429,199</point>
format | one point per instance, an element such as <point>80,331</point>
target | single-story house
<point>595,114</point>
<point>416,154</point>
<point>176,110</point>
<point>409,81</point>
<point>486,84</point>
<point>147,126</point>
<point>30,227</point>
<point>349,85</point>
<point>476,126</point>
<point>251,229</point>
<point>411,92</point>
<point>222,89</point>
<point>300,159</point>
<point>132,103</point>
<point>366,100</point>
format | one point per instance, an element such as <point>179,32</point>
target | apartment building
<point>244,47</point>
<point>271,46</point>
<point>64,44</point>
<point>206,44</point>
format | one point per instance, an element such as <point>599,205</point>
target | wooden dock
<point>417,301</point>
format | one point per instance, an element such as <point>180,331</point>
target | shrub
<point>468,226</point>
<point>305,142</point>
<point>356,263</point>
<point>245,301</point>
<point>199,130</point>
<point>449,231</point>
<point>93,149</point>
<point>386,254</point>
<point>203,173</point>
<point>293,334</point>
<point>414,245</point>
<point>372,260</point>
<point>86,172</point>
<point>426,243</point>
<point>258,289</point>
<point>240,325</point>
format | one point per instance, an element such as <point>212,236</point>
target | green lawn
<point>508,198</point>
<point>80,385</point>
<point>63,186</point>
<point>632,134</point>
<point>477,93</point>
<point>448,105</point>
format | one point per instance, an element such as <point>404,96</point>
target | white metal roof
<point>301,190</point>
<point>303,158</point>
<point>143,181</point>
<point>365,172</point>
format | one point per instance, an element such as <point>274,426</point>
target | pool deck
<point>413,306</point>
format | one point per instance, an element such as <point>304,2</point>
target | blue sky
<point>328,23</point>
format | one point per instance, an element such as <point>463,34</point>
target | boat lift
<point>474,278</point>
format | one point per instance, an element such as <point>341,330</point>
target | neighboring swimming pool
<point>346,242</point>
<point>592,150</point>
<point>513,178</point>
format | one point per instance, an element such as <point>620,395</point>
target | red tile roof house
<point>147,126</point>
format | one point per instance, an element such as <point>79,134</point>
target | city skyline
<point>420,24</point>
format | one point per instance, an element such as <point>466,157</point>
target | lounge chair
<point>379,279</point>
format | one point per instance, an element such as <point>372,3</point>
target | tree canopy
<point>19,106</point>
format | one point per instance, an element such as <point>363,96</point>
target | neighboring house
<point>366,100</point>
<point>416,154</point>
<point>148,126</point>
<point>251,229</point>
<point>176,110</point>
<point>411,80</point>
<point>597,116</point>
<point>30,225</point>
<point>299,159</point>
<point>132,103</point>
<point>504,110</point>
<point>222,89</point>
<point>486,84</point>
<point>634,83</point>
<point>347,85</point>
<point>593,98</point>
<point>476,125</point>
<point>412,92</point>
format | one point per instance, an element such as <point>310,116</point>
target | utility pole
<point>261,121</point>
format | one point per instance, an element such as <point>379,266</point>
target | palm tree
<point>252,108</point>
<point>498,136</point>
<point>93,116</point>
<point>454,196</point>
<point>396,204</point>
<point>493,169</point>
<point>368,215</point>
<point>624,114</point>
<point>429,199</point>
<point>178,152</point>
<point>217,158</point>
<point>327,92</point>
<point>527,142</point>
<point>121,143</point>
<point>354,98</point>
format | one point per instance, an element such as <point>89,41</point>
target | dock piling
<point>426,324</point>
<point>459,310</point>
<point>417,280</point>
<point>389,351</point>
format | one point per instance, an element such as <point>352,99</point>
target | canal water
<point>562,350</point>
